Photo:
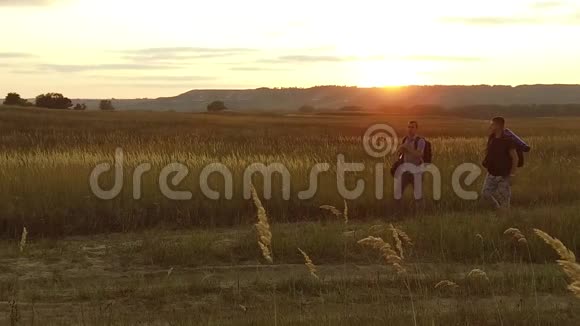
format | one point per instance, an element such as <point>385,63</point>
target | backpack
<point>427,152</point>
<point>520,157</point>
<point>520,145</point>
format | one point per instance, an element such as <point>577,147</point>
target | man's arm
<point>515,160</point>
<point>400,150</point>
<point>416,153</point>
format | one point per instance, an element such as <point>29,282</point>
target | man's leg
<point>490,187</point>
<point>504,193</point>
<point>405,182</point>
<point>418,192</point>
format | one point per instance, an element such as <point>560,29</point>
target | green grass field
<point>161,262</point>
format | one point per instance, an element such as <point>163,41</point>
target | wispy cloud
<point>257,68</point>
<point>24,3</point>
<point>569,19</point>
<point>14,55</point>
<point>162,50</point>
<point>110,66</point>
<point>321,58</point>
<point>183,86</point>
<point>441,58</point>
<point>24,72</point>
<point>314,58</point>
<point>544,5</point>
<point>557,12</point>
<point>338,59</point>
<point>172,57</point>
<point>156,78</point>
<point>182,53</point>
<point>493,20</point>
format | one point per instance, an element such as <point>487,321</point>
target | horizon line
<point>316,86</point>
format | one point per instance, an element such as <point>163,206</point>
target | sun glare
<point>378,74</point>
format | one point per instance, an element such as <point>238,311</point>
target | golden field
<point>157,261</point>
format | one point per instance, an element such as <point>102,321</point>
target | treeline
<point>468,111</point>
<point>53,101</point>
<point>485,111</point>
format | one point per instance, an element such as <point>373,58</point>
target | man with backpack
<point>501,162</point>
<point>412,150</point>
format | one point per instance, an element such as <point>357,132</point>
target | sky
<point>148,49</point>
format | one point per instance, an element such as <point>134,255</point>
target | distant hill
<point>336,97</point>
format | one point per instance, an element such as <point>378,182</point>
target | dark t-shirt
<point>498,160</point>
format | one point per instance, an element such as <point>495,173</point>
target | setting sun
<point>386,73</point>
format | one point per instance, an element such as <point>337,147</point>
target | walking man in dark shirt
<point>501,162</point>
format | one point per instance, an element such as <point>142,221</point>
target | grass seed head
<point>398,242</point>
<point>571,269</point>
<point>516,235</point>
<point>575,288</point>
<point>23,239</point>
<point>309,264</point>
<point>391,257</point>
<point>446,284</point>
<point>567,261</point>
<point>331,209</point>
<point>345,212</point>
<point>377,228</point>
<point>477,274</point>
<point>266,252</point>
<point>263,228</point>
<point>404,236</point>
<point>557,245</point>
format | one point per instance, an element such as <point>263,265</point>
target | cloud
<point>569,19</point>
<point>110,66</point>
<point>25,3</point>
<point>338,59</point>
<point>157,78</point>
<point>441,58</point>
<point>314,58</point>
<point>542,12</point>
<point>182,53</point>
<point>185,86</point>
<point>254,68</point>
<point>545,5</point>
<point>188,50</point>
<point>307,58</point>
<point>492,20</point>
<point>14,55</point>
<point>172,57</point>
<point>24,72</point>
<point>167,58</point>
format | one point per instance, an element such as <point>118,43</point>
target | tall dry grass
<point>309,264</point>
<point>390,256</point>
<point>567,260</point>
<point>263,228</point>
<point>46,157</point>
<point>23,237</point>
